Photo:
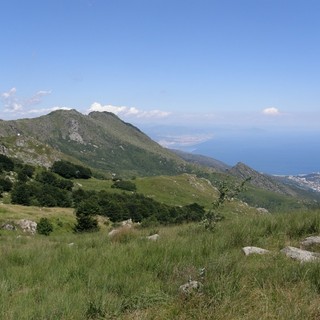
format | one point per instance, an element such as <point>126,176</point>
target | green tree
<point>6,164</point>
<point>85,213</point>
<point>20,194</point>
<point>225,193</point>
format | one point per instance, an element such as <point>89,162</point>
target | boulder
<point>113,232</point>
<point>127,223</point>
<point>310,241</point>
<point>254,250</point>
<point>263,210</point>
<point>300,255</point>
<point>8,226</point>
<point>154,237</point>
<point>191,287</point>
<point>27,225</point>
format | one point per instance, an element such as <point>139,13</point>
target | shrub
<point>6,164</point>
<point>69,170</point>
<point>44,226</point>
<point>124,185</point>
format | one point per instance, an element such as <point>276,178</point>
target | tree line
<point>53,188</point>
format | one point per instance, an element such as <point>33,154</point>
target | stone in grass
<point>310,241</point>
<point>254,250</point>
<point>154,237</point>
<point>190,287</point>
<point>300,255</point>
<point>8,226</point>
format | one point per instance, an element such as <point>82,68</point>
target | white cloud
<point>271,111</point>
<point>128,111</point>
<point>14,104</point>
<point>8,94</point>
<point>45,110</point>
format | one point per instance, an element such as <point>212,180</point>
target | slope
<point>100,140</point>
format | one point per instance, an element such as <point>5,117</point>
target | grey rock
<point>309,241</point>
<point>27,226</point>
<point>300,255</point>
<point>263,210</point>
<point>8,226</point>
<point>190,287</point>
<point>254,250</point>
<point>154,237</point>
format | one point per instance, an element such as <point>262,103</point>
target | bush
<point>5,184</point>
<point>124,185</point>
<point>44,226</point>
<point>6,164</point>
<point>69,170</point>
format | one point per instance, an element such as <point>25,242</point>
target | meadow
<point>92,276</point>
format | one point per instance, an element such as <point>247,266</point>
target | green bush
<point>44,226</point>
<point>124,185</point>
<point>69,170</point>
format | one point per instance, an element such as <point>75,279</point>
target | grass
<point>173,190</point>
<point>132,278</point>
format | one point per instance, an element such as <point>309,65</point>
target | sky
<point>182,70</point>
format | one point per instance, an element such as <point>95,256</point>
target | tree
<point>20,194</point>
<point>225,193</point>
<point>70,170</point>
<point>6,164</point>
<point>86,212</point>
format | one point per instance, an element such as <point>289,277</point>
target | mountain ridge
<point>99,139</point>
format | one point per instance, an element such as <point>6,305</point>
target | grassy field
<point>90,276</point>
<point>173,190</point>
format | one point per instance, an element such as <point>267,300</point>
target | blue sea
<point>272,153</point>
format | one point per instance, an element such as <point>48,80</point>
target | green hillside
<point>100,140</point>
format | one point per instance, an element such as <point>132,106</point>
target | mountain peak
<point>100,140</point>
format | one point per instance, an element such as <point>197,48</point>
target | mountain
<point>100,140</point>
<point>201,160</point>
<point>259,180</point>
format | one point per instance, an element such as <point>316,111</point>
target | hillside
<point>100,140</point>
<point>201,160</point>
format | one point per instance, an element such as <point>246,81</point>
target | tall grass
<point>133,278</point>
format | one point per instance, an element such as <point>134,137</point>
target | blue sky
<point>231,64</point>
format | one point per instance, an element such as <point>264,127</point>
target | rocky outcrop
<point>310,241</point>
<point>300,255</point>
<point>27,226</point>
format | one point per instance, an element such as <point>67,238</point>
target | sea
<point>272,153</point>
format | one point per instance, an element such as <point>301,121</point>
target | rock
<point>254,250</point>
<point>309,241</point>
<point>8,226</point>
<point>191,287</point>
<point>127,223</point>
<point>154,237</point>
<point>263,210</point>
<point>27,226</point>
<point>300,255</point>
<point>113,232</point>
